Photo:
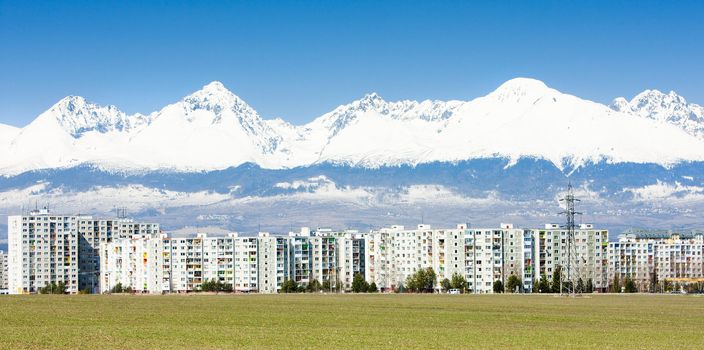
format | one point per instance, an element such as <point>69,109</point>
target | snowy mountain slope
<point>209,129</point>
<point>71,132</point>
<point>522,118</point>
<point>214,129</point>
<point>7,133</point>
<point>77,117</point>
<point>666,108</point>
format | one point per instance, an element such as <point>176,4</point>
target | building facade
<point>494,254</point>
<point>650,258</point>
<point>3,272</point>
<point>44,248</point>
<point>100,254</point>
<point>588,258</point>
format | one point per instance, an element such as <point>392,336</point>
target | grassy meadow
<point>351,321</point>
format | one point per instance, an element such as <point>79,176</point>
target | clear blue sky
<point>298,60</point>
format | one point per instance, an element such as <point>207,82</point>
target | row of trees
<point>422,281</point>
<point>215,286</point>
<point>359,285</point>
<point>457,282</point>
<point>628,285</point>
<point>545,286</point>
<point>118,288</point>
<point>53,288</point>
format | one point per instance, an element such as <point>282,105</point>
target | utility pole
<point>570,212</point>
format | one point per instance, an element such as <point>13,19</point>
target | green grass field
<point>351,321</point>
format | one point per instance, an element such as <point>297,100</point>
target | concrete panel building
<point>3,273</point>
<point>650,257</point>
<point>589,257</point>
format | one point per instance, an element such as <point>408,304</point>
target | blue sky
<point>297,60</point>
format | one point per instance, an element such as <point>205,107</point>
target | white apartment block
<point>91,233</point>
<point>300,257</point>
<point>350,257</point>
<point>3,272</point>
<point>482,255</point>
<point>162,264</point>
<point>324,260</point>
<point>337,256</point>
<point>589,259</point>
<point>392,254</point>
<point>273,262</point>
<point>42,249</point>
<point>494,254</point>
<point>650,257</point>
<point>45,248</point>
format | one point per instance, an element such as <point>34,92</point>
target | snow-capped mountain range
<point>214,129</point>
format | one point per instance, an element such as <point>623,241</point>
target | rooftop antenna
<point>570,212</point>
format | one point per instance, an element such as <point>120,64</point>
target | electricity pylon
<point>573,267</point>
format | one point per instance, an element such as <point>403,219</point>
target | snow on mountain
<point>522,118</point>
<point>214,129</point>
<point>665,108</point>
<point>78,116</point>
<point>71,132</point>
<point>7,132</point>
<point>209,129</point>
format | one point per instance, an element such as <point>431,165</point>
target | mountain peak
<point>526,84</point>
<point>369,101</point>
<point>77,116</point>
<point>215,86</point>
<point>521,90</point>
<point>372,96</point>
<point>71,101</point>
<point>214,93</point>
<point>669,108</point>
<point>653,96</point>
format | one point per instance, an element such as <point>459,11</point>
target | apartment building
<point>324,259</point>
<point>394,253</point>
<point>336,256</point>
<point>161,264</point>
<point>651,257</point>
<point>300,257</point>
<point>494,254</point>
<point>350,257</point>
<point>589,256</point>
<point>272,261</point>
<point>42,249</point>
<point>91,233</point>
<point>3,272</point>
<point>45,248</point>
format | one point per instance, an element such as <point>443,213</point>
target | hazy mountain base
<point>483,192</point>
